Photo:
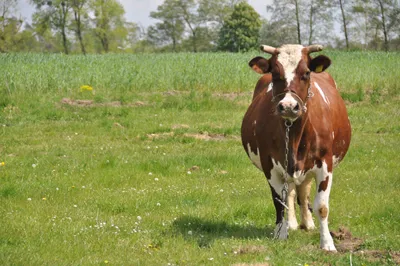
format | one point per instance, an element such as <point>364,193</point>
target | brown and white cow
<point>295,90</point>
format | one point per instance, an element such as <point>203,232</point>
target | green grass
<point>107,184</point>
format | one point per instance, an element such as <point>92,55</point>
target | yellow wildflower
<point>2,163</point>
<point>44,198</point>
<point>86,88</point>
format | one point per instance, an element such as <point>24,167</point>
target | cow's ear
<point>260,65</point>
<point>320,63</point>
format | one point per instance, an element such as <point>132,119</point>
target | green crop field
<point>137,160</point>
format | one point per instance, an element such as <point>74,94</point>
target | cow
<point>296,129</point>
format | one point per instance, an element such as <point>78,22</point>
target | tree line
<point>99,26</point>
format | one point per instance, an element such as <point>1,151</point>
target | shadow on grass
<point>206,231</point>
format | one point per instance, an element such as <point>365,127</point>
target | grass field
<point>148,168</point>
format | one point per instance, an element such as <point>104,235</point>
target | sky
<point>138,11</point>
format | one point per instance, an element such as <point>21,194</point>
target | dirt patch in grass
<point>200,136</point>
<point>250,250</point>
<point>379,255</point>
<point>209,136</point>
<point>251,264</point>
<point>179,126</point>
<point>160,135</point>
<point>346,241</point>
<point>91,103</point>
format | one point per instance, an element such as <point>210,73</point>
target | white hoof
<point>308,225</point>
<point>293,225</point>
<point>328,247</point>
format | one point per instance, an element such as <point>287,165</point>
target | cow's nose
<point>288,107</point>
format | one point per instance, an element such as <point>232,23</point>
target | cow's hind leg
<point>303,191</point>
<point>291,213</point>
<point>321,205</point>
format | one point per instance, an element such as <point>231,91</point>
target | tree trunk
<point>77,15</point>
<point>311,22</point>
<point>63,26</point>
<point>298,21</point>
<point>384,25</point>
<point>344,24</point>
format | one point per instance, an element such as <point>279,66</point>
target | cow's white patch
<point>254,157</point>
<point>326,100</point>
<point>270,87</point>
<point>333,135</point>
<point>288,101</point>
<point>336,160</point>
<point>276,180</point>
<point>289,57</point>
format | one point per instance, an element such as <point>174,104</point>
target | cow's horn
<point>314,48</point>
<point>268,49</point>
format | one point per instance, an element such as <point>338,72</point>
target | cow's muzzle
<point>290,107</point>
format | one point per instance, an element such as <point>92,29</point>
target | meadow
<point>144,165</point>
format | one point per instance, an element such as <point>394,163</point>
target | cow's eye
<point>306,76</point>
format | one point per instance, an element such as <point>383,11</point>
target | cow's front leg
<point>282,225</point>
<point>321,205</point>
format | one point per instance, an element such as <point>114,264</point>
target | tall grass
<point>215,72</point>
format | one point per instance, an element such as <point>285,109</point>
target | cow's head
<point>291,67</point>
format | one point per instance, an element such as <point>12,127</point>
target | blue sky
<point>139,10</point>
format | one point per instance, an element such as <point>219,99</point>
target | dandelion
<point>86,88</point>
<point>44,198</point>
<point>2,163</point>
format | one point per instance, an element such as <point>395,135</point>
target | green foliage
<point>240,31</point>
<point>171,28</point>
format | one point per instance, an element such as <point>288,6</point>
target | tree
<point>319,20</point>
<point>376,15</point>
<point>108,22</point>
<point>188,11</point>
<point>240,30</point>
<point>56,14</point>
<point>216,11</point>
<point>286,13</point>
<point>78,9</point>
<point>344,20</point>
<point>172,27</point>
<point>9,25</point>
<point>275,34</point>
